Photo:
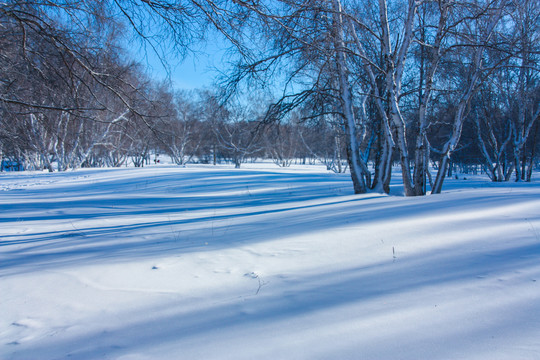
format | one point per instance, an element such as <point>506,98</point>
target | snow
<point>207,262</point>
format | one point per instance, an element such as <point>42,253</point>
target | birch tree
<point>480,31</point>
<point>526,99</point>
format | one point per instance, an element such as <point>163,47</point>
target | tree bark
<point>356,166</point>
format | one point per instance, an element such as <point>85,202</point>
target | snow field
<point>264,263</point>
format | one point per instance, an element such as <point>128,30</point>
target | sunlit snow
<point>207,262</point>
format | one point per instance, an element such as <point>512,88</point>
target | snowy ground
<point>264,263</point>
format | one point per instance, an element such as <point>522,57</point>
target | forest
<point>361,86</point>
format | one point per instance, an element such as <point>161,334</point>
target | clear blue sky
<point>197,70</point>
<point>193,72</point>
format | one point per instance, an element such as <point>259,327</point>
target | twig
<point>535,232</point>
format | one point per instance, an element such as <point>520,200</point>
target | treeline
<point>363,86</point>
<point>186,126</point>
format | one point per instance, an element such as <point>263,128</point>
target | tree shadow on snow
<point>263,318</point>
<point>203,221</point>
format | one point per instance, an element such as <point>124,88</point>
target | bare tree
<point>472,56</point>
<point>238,133</point>
<point>527,99</point>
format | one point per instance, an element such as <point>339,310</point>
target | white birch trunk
<point>461,112</point>
<point>384,171</point>
<point>421,162</point>
<point>357,168</point>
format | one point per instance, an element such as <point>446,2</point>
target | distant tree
<point>238,133</point>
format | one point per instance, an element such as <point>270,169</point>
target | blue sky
<point>197,70</point>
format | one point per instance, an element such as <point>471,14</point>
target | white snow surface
<point>207,262</point>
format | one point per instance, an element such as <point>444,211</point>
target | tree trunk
<point>356,167</point>
<point>451,144</point>
<point>533,152</point>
